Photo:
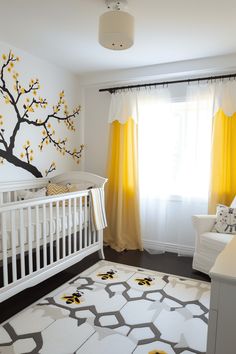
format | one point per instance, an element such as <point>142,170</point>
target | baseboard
<point>169,247</point>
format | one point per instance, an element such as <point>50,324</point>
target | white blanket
<point>97,210</point>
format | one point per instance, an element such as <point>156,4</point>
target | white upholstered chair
<point>208,245</point>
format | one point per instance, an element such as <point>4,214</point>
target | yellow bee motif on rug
<point>108,275</point>
<point>147,281</point>
<point>74,298</point>
<point>157,352</point>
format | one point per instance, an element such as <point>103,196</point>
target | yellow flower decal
<point>30,109</point>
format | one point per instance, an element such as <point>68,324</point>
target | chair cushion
<point>225,220</point>
<point>215,241</point>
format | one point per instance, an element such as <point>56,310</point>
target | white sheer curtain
<point>174,165</point>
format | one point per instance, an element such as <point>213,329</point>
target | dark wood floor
<point>166,262</point>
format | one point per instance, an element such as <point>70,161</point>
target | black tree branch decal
<point>25,101</point>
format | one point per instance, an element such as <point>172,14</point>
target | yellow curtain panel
<point>122,199</point>
<point>223,169</point>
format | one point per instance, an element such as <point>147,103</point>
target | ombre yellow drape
<point>122,199</point>
<point>223,169</point>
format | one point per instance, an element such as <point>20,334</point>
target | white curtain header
<point>216,95</point>
<point>123,106</point>
<point>126,104</point>
<point>225,96</point>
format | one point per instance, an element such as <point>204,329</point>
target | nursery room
<point>117,177</point>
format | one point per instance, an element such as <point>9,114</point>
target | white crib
<point>40,237</point>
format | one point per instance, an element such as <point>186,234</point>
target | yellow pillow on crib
<point>53,189</point>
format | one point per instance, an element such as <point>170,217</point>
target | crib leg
<point>101,254</point>
<point>100,238</point>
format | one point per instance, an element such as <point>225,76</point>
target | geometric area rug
<point>114,309</point>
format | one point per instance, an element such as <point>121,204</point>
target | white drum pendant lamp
<point>116,27</point>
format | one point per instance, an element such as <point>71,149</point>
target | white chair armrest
<point>203,223</point>
<point>233,204</point>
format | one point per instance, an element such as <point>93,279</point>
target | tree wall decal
<point>25,101</point>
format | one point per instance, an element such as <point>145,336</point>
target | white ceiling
<point>65,31</point>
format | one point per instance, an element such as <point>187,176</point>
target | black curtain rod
<point>208,78</point>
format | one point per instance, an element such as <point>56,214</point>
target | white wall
<point>97,104</point>
<point>96,130</point>
<point>174,70</point>
<point>52,80</point>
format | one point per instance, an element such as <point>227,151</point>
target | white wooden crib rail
<point>43,236</point>
<point>10,196</point>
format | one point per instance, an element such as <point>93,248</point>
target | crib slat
<point>85,221</point>
<point>44,236</point>
<point>51,233</point>
<point>58,230</point>
<point>80,222</point>
<point>30,240</point>
<point>37,237</point>
<point>69,226</point>
<point>1,198</point>
<point>15,196</point>
<point>89,241</point>
<point>13,245</point>
<point>75,224</point>
<point>8,197</point>
<point>63,229</point>
<point>4,249</point>
<point>22,240</point>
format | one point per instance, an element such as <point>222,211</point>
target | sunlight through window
<point>174,149</point>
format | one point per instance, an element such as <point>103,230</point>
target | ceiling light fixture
<point>116,26</point>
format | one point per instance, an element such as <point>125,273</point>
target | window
<point>174,149</point>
